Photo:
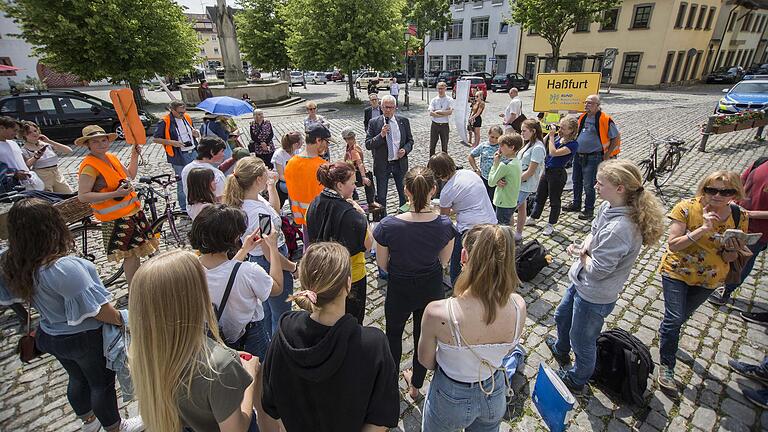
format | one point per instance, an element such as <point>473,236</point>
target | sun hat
<point>348,132</point>
<point>94,131</point>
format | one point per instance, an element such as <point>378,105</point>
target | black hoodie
<point>320,378</point>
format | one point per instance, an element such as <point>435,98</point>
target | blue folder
<point>552,398</point>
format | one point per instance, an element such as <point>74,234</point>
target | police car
<point>747,95</point>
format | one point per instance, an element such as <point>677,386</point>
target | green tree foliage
<point>119,40</point>
<point>553,19</point>
<point>427,15</point>
<point>261,33</point>
<point>348,34</point>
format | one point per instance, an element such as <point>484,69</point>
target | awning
<point>6,68</point>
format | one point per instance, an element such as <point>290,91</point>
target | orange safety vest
<point>167,121</point>
<point>303,186</point>
<point>111,209</point>
<point>603,124</point>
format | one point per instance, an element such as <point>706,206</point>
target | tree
<point>349,34</point>
<point>553,19</point>
<point>427,16</point>
<point>119,40</point>
<point>261,33</point>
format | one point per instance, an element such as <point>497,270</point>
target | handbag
<point>27,349</point>
<point>517,123</point>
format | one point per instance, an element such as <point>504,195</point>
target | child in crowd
<point>532,163</point>
<point>289,146</point>
<point>510,171</point>
<point>354,155</point>
<point>201,186</point>
<point>485,151</point>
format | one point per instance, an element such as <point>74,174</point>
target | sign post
<point>564,91</point>
<point>609,59</point>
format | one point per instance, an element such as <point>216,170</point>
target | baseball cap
<point>317,131</point>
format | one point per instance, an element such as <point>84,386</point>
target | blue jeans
<point>680,301</point>
<point>504,214</point>
<point>579,323</point>
<point>187,158</point>
<point>584,177</point>
<point>255,340</point>
<point>455,270</point>
<point>756,249</point>
<point>382,183</point>
<point>276,306</point>
<point>91,387</point>
<point>452,405</point>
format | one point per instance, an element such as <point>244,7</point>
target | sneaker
<point>755,317</point>
<point>572,208</point>
<point>93,426</point>
<point>133,424</point>
<point>585,215</point>
<point>548,230</point>
<point>666,378</point>
<point>752,371</point>
<point>577,390</point>
<point>530,222</point>
<point>757,397</point>
<point>718,297</point>
<point>562,359</point>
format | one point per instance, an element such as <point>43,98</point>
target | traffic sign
<point>493,59</point>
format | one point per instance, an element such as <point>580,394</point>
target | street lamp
<point>493,56</point>
<point>407,36</point>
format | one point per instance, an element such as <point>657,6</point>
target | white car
<point>297,78</point>
<point>382,79</point>
<point>315,78</point>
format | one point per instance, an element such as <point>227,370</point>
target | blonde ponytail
<point>246,172</point>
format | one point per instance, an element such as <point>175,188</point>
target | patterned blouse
<point>262,133</point>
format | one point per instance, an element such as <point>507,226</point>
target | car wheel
<point>118,128</point>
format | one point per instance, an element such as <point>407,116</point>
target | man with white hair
<point>513,115</point>
<point>389,138</point>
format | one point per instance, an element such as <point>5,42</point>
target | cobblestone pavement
<point>33,397</point>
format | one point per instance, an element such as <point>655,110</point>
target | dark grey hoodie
<point>616,243</point>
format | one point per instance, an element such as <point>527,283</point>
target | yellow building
<point>209,42</point>
<point>658,43</point>
<point>742,32</point>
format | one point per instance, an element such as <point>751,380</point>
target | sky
<point>196,6</point>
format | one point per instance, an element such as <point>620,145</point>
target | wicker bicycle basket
<point>73,210</point>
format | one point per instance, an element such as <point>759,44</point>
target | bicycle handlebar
<point>162,180</point>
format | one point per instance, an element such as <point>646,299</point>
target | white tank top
<point>472,363</point>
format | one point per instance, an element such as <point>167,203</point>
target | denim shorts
<point>522,197</point>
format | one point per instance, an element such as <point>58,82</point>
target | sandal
<point>413,392</point>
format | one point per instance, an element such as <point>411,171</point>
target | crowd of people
<point>215,341</point>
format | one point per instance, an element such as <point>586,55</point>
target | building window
<point>479,28</point>
<point>530,67</point>
<point>732,25</point>
<point>667,67</point>
<point>497,2</point>
<point>729,58</point>
<point>681,15</point>
<point>458,4</point>
<point>202,51</point>
<point>435,63</point>
<point>642,18</point>
<point>576,64</point>
<point>501,64</point>
<point>503,27</point>
<point>477,63</point>
<point>597,63</point>
<point>696,62</point>
<point>702,14</point>
<point>631,65</point>
<point>691,16</point>
<point>710,18</point>
<point>477,4</point>
<point>215,50</point>
<point>582,26</point>
<point>687,66</point>
<point>452,62</point>
<point>756,24</point>
<point>745,22</point>
<point>678,65</point>
<point>549,64</point>
<point>436,35</point>
<point>762,24</point>
<point>456,30</point>
<point>213,37</point>
<point>610,20</point>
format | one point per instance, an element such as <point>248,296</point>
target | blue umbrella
<point>225,105</point>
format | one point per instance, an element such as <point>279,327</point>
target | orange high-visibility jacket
<point>111,209</point>
<point>167,121</point>
<point>602,124</point>
<point>302,183</point>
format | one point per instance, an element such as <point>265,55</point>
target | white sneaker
<point>133,424</point>
<point>530,222</point>
<point>93,426</point>
<point>548,230</point>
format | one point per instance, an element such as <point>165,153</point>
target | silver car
<point>297,78</point>
<point>316,77</point>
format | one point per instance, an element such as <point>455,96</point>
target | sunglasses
<point>311,109</point>
<point>722,192</point>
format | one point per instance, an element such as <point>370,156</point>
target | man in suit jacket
<point>389,138</point>
<point>372,111</point>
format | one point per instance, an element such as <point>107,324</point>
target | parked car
<point>382,78</point>
<point>450,77</point>
<point>475,82</point>
<point>744,96</point>
<point>62,115</point>
<point>507,81</point>
<point>728,75</point>
<point>336,76</point>
<point>315,77</point>
<point>432,78</point>
<point>220,72</point>
<point>488,78</point>
<point>297,78</point>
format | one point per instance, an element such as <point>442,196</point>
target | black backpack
<point>530,259</point>
<point>623,365</point>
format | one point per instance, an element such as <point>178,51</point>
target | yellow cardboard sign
<point>564,91</point>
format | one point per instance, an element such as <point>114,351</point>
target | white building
<point>15,52</point>
<point>468,43</point>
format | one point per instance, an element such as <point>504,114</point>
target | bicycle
<point>659,168</point>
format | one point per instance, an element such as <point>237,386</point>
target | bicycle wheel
<point>89,245</point>
<point>647,169</point>
<point>173,233</point>
<point>666,167</point>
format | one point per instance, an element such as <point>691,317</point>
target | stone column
<point>223,17</point>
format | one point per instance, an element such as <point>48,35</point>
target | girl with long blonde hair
<point>183,377</point>
<point>485,320</point>
<point>323,362</point>
<point>629,218</point>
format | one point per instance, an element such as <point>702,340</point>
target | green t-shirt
<point>510,171</point>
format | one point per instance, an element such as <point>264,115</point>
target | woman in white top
<point>40,155</point>
<point>243,190</point>
<point>486,318</point>
<point>289,146</point>
<point>532,160</point>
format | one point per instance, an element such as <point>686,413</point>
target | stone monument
<point>223,17</point>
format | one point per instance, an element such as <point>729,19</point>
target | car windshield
<point>434,73</point>
<point>750,87</point>
<point>444,75</point>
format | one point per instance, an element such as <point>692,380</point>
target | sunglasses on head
<point>722,192</point>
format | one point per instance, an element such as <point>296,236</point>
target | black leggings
<point>355,303</point>
<point>551,185</point>
<point>406,296</point>
<point>370,191</point>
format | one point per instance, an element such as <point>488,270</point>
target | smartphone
<point>265,224</point>
<point>553,127</point>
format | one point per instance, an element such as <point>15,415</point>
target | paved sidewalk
<point>32,397</point>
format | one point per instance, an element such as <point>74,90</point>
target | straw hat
<point>93,131</point>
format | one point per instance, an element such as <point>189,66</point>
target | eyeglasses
<point>722,192</point>
<point>311,109</point>
<point>388,106</point>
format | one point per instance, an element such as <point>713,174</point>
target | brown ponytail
<point>419,182</point>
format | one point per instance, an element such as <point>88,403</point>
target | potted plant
<point>760,118</point>
<point>743,121</point>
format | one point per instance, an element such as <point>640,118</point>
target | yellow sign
<point>564,91</point>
